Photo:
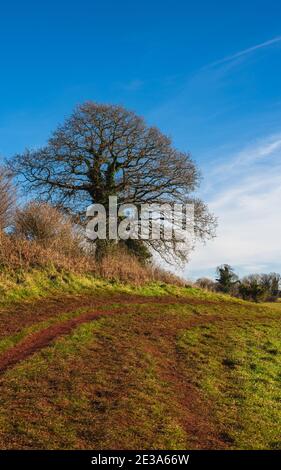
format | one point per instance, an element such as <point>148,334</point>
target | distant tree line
<point>254,287</point>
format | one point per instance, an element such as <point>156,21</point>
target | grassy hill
<point>101,365</point>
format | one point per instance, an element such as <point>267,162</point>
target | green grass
<point>198,371</point>
<point>91,369</point>
<point>237,366</point>
<point>13,340</point>
<point>36,284</point>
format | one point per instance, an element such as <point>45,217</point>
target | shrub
<point>207,284</point>
<point>250,288</point>
<point>46,225</point>
<point>7,199</point>
<point>260,287</point>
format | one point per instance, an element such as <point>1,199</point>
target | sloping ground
<point>119,370</point>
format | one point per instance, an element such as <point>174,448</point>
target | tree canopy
<point>106,150</point>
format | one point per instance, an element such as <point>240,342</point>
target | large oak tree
<point>104,150</point>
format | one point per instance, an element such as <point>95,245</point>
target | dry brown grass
<point>124,267</point>
<point>158,274</point>
<point>18,254</point>
<point>43,237</point>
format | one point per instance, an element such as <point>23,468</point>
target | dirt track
<point>14,320</point>
<point>193,410</point>
<point>43,338</point>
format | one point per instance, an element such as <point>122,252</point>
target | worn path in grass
<point>134,371</point>
<point>19,316</point>
<point>22,316</point>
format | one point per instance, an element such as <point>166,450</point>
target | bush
<point>260,287</point>
<point>250,288</point>
<point>47,226</point>
<point>207,284</point>
<point>7,199</point>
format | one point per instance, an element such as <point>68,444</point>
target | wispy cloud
<point>246,203</point>
<point>205,95</point>
<point>254,153</point>
<point>244,52</point>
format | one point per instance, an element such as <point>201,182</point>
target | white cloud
<point>244,52</point>
<point>246,198</point>
<point>253,153</point>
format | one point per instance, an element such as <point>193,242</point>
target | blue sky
<point>207,73</point>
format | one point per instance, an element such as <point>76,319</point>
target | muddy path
<point>39,340</point>
<point>25,314</point>
<point>194,410</point>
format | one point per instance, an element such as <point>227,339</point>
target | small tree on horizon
<point>272,283</point>
<point>227,278</point>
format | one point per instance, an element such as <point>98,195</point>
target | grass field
<point>159,367</point>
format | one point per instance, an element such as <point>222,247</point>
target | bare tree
<point>207,284</point>
<point>271,283</point>
<point>7,199</point>
<point>105,150</point>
